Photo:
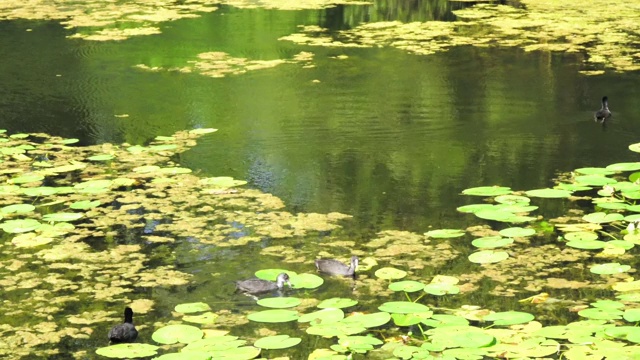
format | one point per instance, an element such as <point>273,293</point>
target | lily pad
<point>273,316</point>
<point>506,318</point>
<point>338,303</point>
<point>406,286</point>
<point>491,242</point>
<point>488,256</point>
<point>601,218</point>
<point>549,193</point>
<point>277,342</point>
<point>62,217</point>
<point>403,307</point>
<point>389,273</point>
<point>609,268</point>
<point>124,351</point>
<point>323,316</point>
<point>487,191</point>
<point>517,232</point>
<point>280,302</point>
<point>177,333</point>
<point>305,281</point>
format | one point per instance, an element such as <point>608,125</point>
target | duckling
<point>604,113</point>
<point>257,286</point>
<point>125,332</point>
<point>335,267</point>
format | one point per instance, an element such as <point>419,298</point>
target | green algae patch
<point>217,64</point>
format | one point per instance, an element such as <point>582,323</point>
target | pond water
<point>388,137</point>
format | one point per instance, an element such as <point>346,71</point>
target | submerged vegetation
<point>80,224</point>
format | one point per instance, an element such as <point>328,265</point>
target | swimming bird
<point>335,267</point>
<point>125,332</point>
<point>256,286</point>
<point>604,113</point>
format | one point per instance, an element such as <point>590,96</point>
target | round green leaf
<point>517,232</point>
<point>273,316</point>
<point>549,193</point>
<point>19,226</point>
<point>587,244</point>
<point>594,171</point>
<point>410,319</point>
<point>329,315</point>
<point>389,273</point>
<point>305,281</point>
<point>440,320</point>
<point>277,342</point>
<point>279,302</point>
<point>406,286</point>
<point>403,307</point>
<point>368,320</point>
<point>509,318</point>
<point>491,242</point>
<point>439,289</point>
<point>101,157</point>
<point>26,178</point>
<point>625,166</point>
<point>488,256</point>
<point>474,208</point>
<point>487,191</point>
<point>62,217</point>
<point>205,318</point>
<point>609,268</point>
<point>128,351</point>
<point>601,314</point>
<point>177,333</point>
<point>85,204</point>
<point>594,180</point>
<point>188,308</point>
<point>338,303</point>
<point>17,209</point>
<point>601,218</point>
<point>581,236</point>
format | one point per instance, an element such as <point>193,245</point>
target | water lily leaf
<point>389,273</point>
<point>174,170</point>
<point>19,136</point>
<point>205,318</point>
<point>20,226</point>
<point>277,342</point>
<point>146,169</point>
<point>177,333</point>
<point>85,204</point>
<point>324,316</point>
<point>439,320</point>
<point>403,307</point>
<point>17,209</point>
<point>186,355</point>
<point>445,233</point>
<point>509,317</point>
<point>601,218</point>
<point>62,217</point>
<point>622,244</point>
<point>410,319</point>
<point>406,286</point>
<point>594,180</point>
<point>625,166</point>
<point>368,320</point>
<point>632,315</point>
<point>222,182</point>
<point>487,191</point>
<point>572,187</point>
<point>608,304</point>
<point>517,232</point>
<point>488,256</point>
<point>280,302</point>
<point>502,216</point>
<point>305,281</point>
<point>272,274</point>
<point>40,191</point>
<point>473,208</point>
<point>549,193</point>
<point>594,171</point>
<point>587,244</point>
<point>188,308</point>
<point>581,236</point>
<point>273,316</point>
<point>441,289</point>
<point>164,138</point>
<point>491,242</point>
<point>26,178</point>
<point>214,343</point>
<point>123,351</point>
<point>338,303</point>
<point>101,157</point>
<point>512,199</point>
<point>335,329</point>
<point>9,189</point>
<point>411,352</point>
<point>359,344</point>
<point>601,314</point>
